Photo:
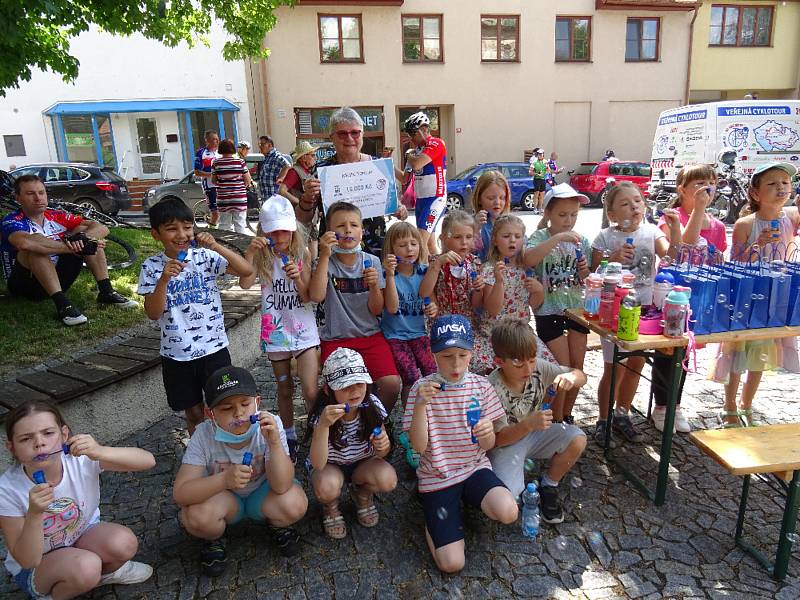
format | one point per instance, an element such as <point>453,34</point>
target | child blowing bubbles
<point>214,488</point>
<point>57,545</point>
<point>490,199</point>
<point>452,466</point>
<point>344,445</point>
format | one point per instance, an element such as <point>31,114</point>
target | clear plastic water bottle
<point>530,511</point>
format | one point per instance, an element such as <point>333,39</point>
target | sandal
<point>730,414</point>
<point>333,521</point>
<point>366,512</point>
<point>746,416</point>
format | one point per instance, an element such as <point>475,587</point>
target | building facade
<point>496,77</point>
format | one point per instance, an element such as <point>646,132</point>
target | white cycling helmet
<point>415,121</point>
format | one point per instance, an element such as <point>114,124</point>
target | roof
<point>133,106</point>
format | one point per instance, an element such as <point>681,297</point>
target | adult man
<point>428,161</point>
<point>202,168</point>
<point>42,252</point>
<point>538,169</point>
<point>269,170</point>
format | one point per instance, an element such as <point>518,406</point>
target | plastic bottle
<point>630,312</point>
<point>606,312</point>
<point>775,225</point>
<point>601,269</point>
<point>622,290</point>
<point>530,511</point>
<point>591,299</point>
<point>38,477</point>
<point>662,287</point>
<point>247,458</point>
<point>676,309</point>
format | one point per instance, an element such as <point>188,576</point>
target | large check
<point>370,185</point>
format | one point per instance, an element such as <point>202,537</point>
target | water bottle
<point>622,290</point>
<point>676,309</point>
<point>530,511</point>
<point>606,312</point>
<point>630,312</point>
<point>591,300</point>
<point>601,269</point>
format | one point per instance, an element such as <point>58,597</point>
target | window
<point>499,38</point>
<point>740,25</point>
<point>340,38</point>
<point>422,38</point>
<point>641,40</point>
<point>573,39</point>
<point>515,171</point>
<point>15,146</point>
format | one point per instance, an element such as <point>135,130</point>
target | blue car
<point>459,189</point>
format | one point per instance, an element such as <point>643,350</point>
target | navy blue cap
<point>451,331</point>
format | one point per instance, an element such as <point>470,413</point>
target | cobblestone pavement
<point>613,543</point>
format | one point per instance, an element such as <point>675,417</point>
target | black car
<point>83,184</point>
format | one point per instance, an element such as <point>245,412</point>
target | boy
<point>182,295</point>
<point>528,431</point>
<point>351,284</point>
<point>217,486</point>
<point>453,463</point>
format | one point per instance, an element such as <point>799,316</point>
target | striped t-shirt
<point>231,192</point>
<point>355,448</point>
<point>451,457</point>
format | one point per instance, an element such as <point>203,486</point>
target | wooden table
<point>770,449</point>
<point>647,346</point>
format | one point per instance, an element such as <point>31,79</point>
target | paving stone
<point>567,549</point>
<point>624,559</point>
<point>535,587</point>
<point>56,386</point>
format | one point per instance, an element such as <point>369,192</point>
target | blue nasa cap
<point>451,331</point>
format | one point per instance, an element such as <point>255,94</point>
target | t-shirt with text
<point>558,274</point>
<point>287,325</point>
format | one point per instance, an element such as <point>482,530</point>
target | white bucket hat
<point>277,214</point>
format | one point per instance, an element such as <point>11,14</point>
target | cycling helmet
<point>415,121</point>
<point>727,157</point>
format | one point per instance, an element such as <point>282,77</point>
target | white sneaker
<point>130,572</point>
<point>658,415</point>
<point>681,423</point>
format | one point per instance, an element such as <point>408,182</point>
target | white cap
<point>564,190</point>
<point>244,144</point>
<point>277,214</point>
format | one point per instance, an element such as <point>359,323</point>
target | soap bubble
<point>722,298</point>
<point>561,542</point>
<point>746,306</point>
<point>739,315</point>
<point>626,223</point>
<point>764,358</point>
<point>754,296</point>
<point>566,332</point>
<point>576,482</point>
<point>441,513</point>
<point>793,538</point>
<point>708,311</point>
<point>761,296</point>
<point>529,464</point>
<point>596,537</point>
<point>730,307</point>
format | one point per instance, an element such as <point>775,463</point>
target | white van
<point>758,131</point>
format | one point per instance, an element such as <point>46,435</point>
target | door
<point>148,146</point>
<point>404,113</point>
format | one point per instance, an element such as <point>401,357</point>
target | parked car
<point>459,188</point>
<point>590,177</point>
<point>83,184</point>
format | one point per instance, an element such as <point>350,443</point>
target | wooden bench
<point>768,449</point>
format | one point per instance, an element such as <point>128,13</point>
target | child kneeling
<point>528,431</point>
<point>237,467</point>
<point>449,419</point>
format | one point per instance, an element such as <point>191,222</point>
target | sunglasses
<point>353,133</point>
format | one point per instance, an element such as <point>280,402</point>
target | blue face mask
<point>338,250</point>
<point>226,437</point>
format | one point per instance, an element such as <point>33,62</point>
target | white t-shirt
<point>74,510</point>
<point>192,324</point>
<point>205,451</point>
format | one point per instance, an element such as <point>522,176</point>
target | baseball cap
<point>229,381</point>
<point>277,214</point>
<point>244,144</point>
<point>343,368</point>
<point>788,168</point>
<point>564,190</point>
<point>451,331</point>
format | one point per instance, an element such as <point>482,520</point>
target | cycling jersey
<point>55,225</point>
<point>430,185</point>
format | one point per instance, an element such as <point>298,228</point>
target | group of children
<point>450,335</point>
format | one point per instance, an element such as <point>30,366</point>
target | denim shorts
<point>24,579</point>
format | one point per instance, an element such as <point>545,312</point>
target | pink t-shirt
<point>715,234</point>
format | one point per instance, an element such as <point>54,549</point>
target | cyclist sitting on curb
<point>43,250</point>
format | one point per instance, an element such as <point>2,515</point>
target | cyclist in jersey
<point>203,159</point>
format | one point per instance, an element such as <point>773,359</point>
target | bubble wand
<point>43,457</point>
<point>473,416</point>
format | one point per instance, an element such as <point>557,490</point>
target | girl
<point>491,198</point>
<point>291,187</point>
<point>230,175</point>
<point>403,321</point>
<point>755,238</point>
<point>559,256</point>
<point>345,447</point>
<point>288,326</point>
<point>453,276</point>
<point>625,208</point>
<point>49,508</point>
<point>507,292</point>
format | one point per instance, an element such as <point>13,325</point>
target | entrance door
<point>148,146</point>
<point>404,113</point>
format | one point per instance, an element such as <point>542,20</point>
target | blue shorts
<point>211,196</point>
<point>429,212</point>
<point>250,506</point>
<point>24,580</point>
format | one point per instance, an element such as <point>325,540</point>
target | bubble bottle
<point>662,287</point>
<point>530,511</point>
<point>591,299</point>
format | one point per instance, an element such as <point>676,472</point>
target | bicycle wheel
<point>119,253</point>
<point>200,211</point>
<point>86,212</point>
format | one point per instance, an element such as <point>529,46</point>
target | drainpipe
<point>689,59</point>
<point>262,65</point>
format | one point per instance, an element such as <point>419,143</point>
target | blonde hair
<point>400,231</point>
<point>689,174</point>
<point>453,219</point>
<point>264,260</point>
<point>616,191</point>
<point>505,221</point>
<point>484,181</point>
<point>513,338</point>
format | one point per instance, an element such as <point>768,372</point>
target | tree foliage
<point>36,33</point>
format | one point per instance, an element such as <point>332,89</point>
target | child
<point>453,276</point>
<point>230,175</point>
<point>288,324</point>
<point>351,284</point>
<point>528,431</point>
<point>449,419</point>
<point>235,467</point>
<point>403,321</point>
<point>754,238</point>
<point>508,291</point>
<point>344,445</point>
<point>57,544</point>
<point>291,187</point>
<point>182,295</point>
<point>625,207</point>
<point>490,199</point>
<point>561,259</point>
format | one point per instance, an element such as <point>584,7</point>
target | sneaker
<point>287,540</point>
<point>625,426</point>
<point>116,299</point>
<point>569,420</point>
<point>658,415</point>
<point>71,316</point>
<point>600,435</point>
<point>213,558</point>
<point>550,504</point>
<point>130,572</point>
<point>681,422</point>
<point>292,450</point>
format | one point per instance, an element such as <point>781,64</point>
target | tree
<point>36,33</point>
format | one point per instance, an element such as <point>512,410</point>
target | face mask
<point>338,250</point>
<point>226,437</point>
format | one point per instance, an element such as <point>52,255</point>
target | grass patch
<point>30,333</point>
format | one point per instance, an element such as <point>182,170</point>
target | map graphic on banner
<point>370,185</point>
<point>773,135</point>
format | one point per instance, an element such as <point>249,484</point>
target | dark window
<point>25,171</point>
<point>641,39</point>
<point>15,145</point>
<point>74,174</point>
<point>499,38</point>
<point>573,39</point>
<point>740,25</point>
<point>515,171</point>
<point>585,169</point>
<point>422,38</point>
<point>340,38</point>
